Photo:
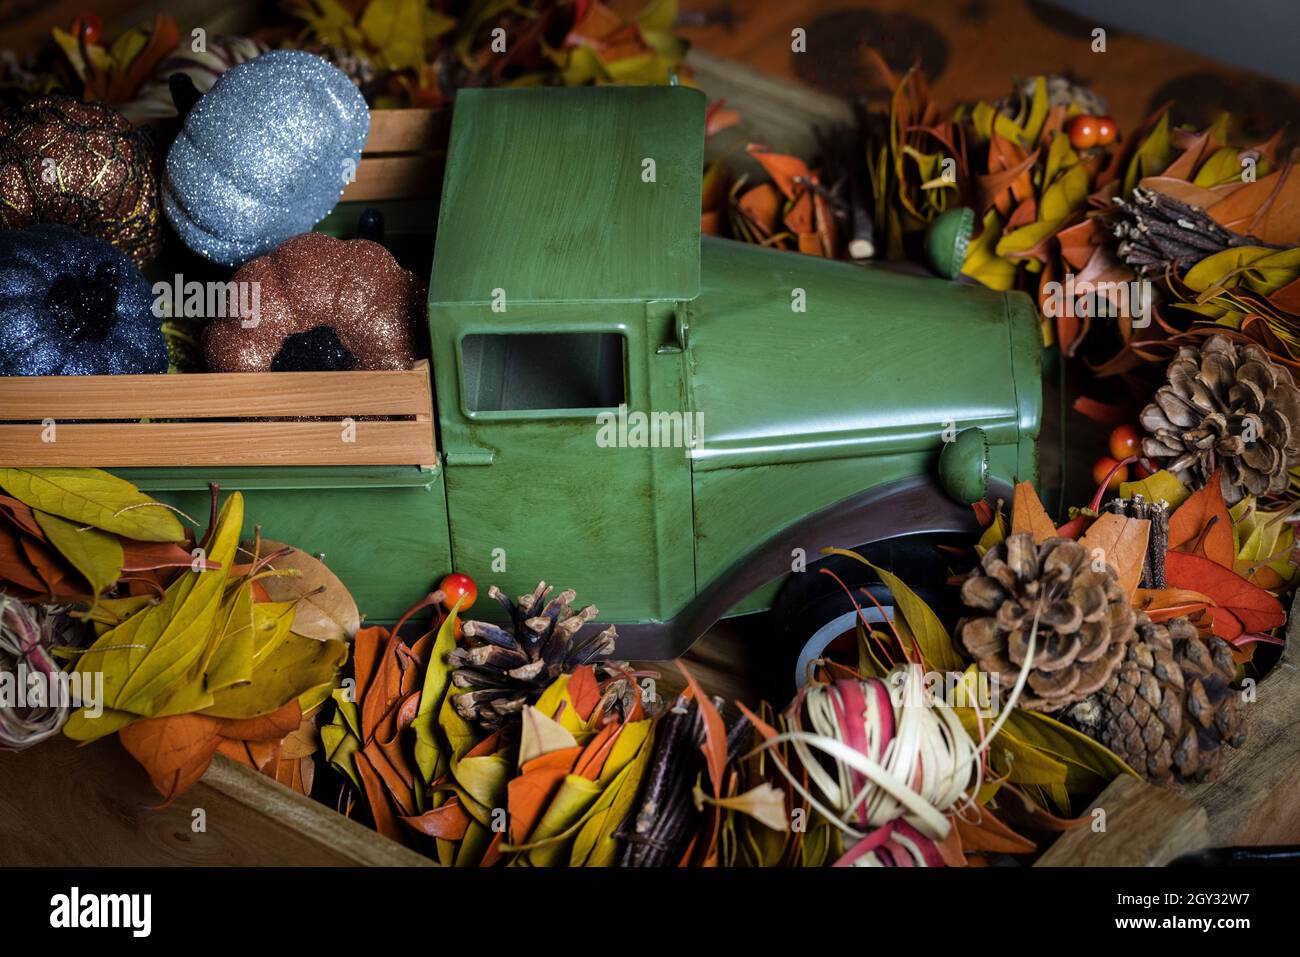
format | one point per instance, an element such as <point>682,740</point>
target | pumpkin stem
<point>316,350</point>
<point>184,93</point>
<point>85,306</point>
<point>370,225</point>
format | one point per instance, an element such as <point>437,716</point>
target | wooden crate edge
<point>355,843</point>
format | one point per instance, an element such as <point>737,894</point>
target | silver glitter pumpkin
<point>263,155</point>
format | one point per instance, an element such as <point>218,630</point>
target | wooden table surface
<point>971,49</point>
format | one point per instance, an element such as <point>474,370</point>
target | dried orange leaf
<point>1122,542</point>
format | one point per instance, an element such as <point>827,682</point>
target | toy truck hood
<point>879,362</point>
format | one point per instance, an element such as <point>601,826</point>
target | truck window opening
<point>511,372</point>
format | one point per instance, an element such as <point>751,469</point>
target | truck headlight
<point>964,466</point>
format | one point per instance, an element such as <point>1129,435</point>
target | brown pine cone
<point>1171,708</point>
<point>499,670</point>
<point>1226,404</point>
<point>1085,622</point>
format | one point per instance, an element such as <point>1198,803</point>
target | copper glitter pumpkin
<point>322,303</point>
<point>83,165</point>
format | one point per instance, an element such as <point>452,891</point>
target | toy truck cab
<point>667,424</point>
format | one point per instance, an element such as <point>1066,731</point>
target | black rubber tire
<point>810,598</point>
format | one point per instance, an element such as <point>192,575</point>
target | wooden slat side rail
<point>407,131</point>
<point>214,395</point>
<point>63,805</point>
<point>199,444</point>
<point>404,156</point>
<point>396,177</point>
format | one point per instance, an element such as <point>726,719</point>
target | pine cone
<point>1085,621</point>
<point>1170,708</point>
<point>1229,405</point>
<point>506,670</point>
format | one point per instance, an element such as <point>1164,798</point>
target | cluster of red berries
<point>1086,131</point>
<point>1125,443</point>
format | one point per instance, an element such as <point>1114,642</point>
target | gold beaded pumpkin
<point>83,165</point>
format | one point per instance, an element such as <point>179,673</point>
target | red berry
<point>1102,467</point>
<point>90,26</point>
<point>1082,131</point>
<point>456,585</point>
<point>1125,440</point>
<point>1106,131</point>
<point>1142,469</point>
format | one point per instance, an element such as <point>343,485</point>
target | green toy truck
<point>673,426</point>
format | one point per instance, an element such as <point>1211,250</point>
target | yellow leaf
<point>93,497</point>
<point>931,637</point>
<point>594,844</point>
<point>764,803</point>
<point>437,679</point>
<point>154,654</point>
<point>1063,742</point>
<point>1060,156</point>
<point>541,735</point>
<point>1152,157</point>
<point>982,262</point>
<point>563,816</point>
<point>1161,486</point>
<point>395,28</point>
<point>1038,110</point>
<point>94,553</point>
<point>994,534</point>
<point>1223,166</point>
<point>232,658</point>
<point>296,665</point>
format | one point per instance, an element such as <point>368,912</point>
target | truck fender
<point>911,506</point>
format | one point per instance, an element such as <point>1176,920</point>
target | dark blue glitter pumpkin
<point>73,305</point>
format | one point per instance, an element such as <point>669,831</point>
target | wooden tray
<point>219,419</point>
<point>64,805</point>
<point>1254,802</point>
<point>60,804</point>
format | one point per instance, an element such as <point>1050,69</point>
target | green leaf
<point>95,553</point>
<point>931,637</point>
<point>96,498</point>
